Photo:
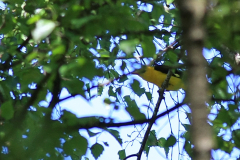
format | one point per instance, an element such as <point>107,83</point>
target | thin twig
<point>121,124</point>
<point>150,124</point>
<point>24,43</point>
<point>132,155</point>
<point>172,46</point>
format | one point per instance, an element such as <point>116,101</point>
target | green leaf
<point>77,23</point>
<point>227,146</point>
<point>107,101</point>
<point>4,57</point>
<point>186,126</point>
<point>167,21</point>
<point>7,110</point>
<point>103,53</point>
<point>76,146</point>
<point>169,2</point>
<point>217,62</point>
<point>128,46</point>
<point>236,135</point>
<point>112,74</point>
<point>28,76</point>
<point>186,135</point>
<point>115,51</point>
<point>122,154</point>
<point>32,56</point>
<point>74,86</point>
<point>12,81</point>
<point>188,148</point>
<point>147,149</point>
<point>148,95</point>
<point>136,88</point>
<point>122,79</point>
<point>123,66</point>
<point>69,118</point>
<point>118,90</point>
<point>111,92</point>
<point>33,19</point>
<point>100,90</point>
<point>172,56</point>
<point>60,49</point>
<point>166,143</point>
<point>157,11</point>
<point>166,39</point>
<point>96,150</point>
<point>161,142</point>
<point>148,47</point>
<point>152,139</point>
<point>171,141</point>
<point>91,134</point>
<point>223,117</point>
<point>105,44</point>
<point>115,134</point>
<point>133,109</point>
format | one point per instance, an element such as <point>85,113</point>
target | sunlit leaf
<point>161,142</point>
<point>169,1</point>
<point>103,53</point>
<point>100,90</point>
<point>58,50</point>
<point>43,28</point>
<point>129,46</point>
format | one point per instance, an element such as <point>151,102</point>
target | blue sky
<point>81,107</point>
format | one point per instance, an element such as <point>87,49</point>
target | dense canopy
<point>52,51</point>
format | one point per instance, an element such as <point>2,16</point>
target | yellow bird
<point>157,75</point>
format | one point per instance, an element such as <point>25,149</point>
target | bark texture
<point>192,14</point>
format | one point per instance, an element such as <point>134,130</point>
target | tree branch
<point>24,43</point>
<point>132,155</point>
<point>19,117</point>
<point>55,92</point>
<point>150,124</point>
<point>104,124</point>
